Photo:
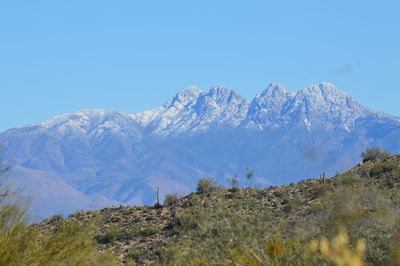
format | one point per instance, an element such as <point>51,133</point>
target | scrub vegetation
<point>349,219</point>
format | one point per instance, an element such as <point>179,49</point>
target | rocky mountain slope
<point>97,158</point>
<point>206,226</point>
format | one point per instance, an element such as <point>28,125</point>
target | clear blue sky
<point>62,56</point>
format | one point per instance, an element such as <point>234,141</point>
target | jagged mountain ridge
<point>113,157</point>
<point>192,109</point>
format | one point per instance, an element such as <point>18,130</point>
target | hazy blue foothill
<point>94,158</point>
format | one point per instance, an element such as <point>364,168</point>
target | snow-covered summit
<point>273,90</point>
<point>268,106</point>
<point>324,106</point>
<point>186,96</point>
<point>324,88</point>
<point>320,106</point>
<point>90,122</point>
<point>192,111</point>
<point>221,105</point>
<point>81,118</point>
<point>324,94</point>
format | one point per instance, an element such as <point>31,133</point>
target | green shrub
<point>189,203</point>
<point>382,167</point>
<point>148,230</point>
<point>292,205</point>
<point>137,254</point>
<point>279,193</point>
<point>171,199</point>
<point>71,243</point>
<point>206,185</point>
<point>115,233</point>
<point>320,190</point>
<point>188,220</point>
<point>374,154</point>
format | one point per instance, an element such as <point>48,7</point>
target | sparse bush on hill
<point>205,185</point>
<point>374,154</point>
<point>234,183</point>
<point>321,190</point>
<point>171,199</point>
<point>249,176</point>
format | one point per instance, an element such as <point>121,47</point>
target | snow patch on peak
<point>324,106</point>
<point>221,105</point>
<point>328,88</point>
<point>219,89</point>
<point>268,106</point>
<point>78,118</point>
<point>190,90</point>
<point>274,90</point>
<point>316,106</point>
<point>221,95</point>
<point>90,122</point>
<point>192,111</point>
<point>324,96</point>
<point>327,85</point>
<point>324,89</point>
<point>186,96</point>
<point>145,117</point>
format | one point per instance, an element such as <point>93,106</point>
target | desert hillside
<point>287,225</point>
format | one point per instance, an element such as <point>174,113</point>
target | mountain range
<point>94,158</point>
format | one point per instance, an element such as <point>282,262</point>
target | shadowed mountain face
<point>95,158</point>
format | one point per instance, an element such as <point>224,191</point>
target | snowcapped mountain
<point>95,158</point>
<point>268,106</point>
<point>317,106</point>
<point>192,111</point>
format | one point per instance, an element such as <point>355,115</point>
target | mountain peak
<point>190,90</point>
<point>268,105</point>
<point>325,94</point>
<point>327,85</point>
<point>219,87</point>
<point>185,96</point>
<point>273,90</point>
<point>219,90</point>
<point>324,89</point>
<point>81,117</point>
<point>221,95</point>
<point>324,106</point>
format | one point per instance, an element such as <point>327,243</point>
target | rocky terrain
<point>364,200</point>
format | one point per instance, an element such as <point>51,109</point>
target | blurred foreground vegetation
<point>71,243</point>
